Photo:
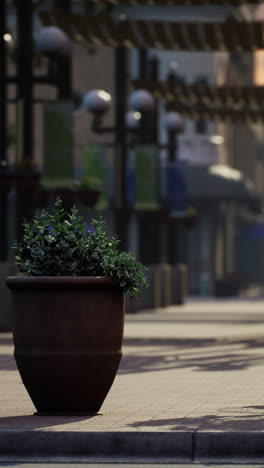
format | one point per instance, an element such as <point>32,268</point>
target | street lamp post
<point>121,95</point>
<point>3,71</point>
<point>173,123</point>
<point>98,102</point>
<point>25,175</point>
<point>3,130</point>
<point>56,45</point>
<point>25,79</point>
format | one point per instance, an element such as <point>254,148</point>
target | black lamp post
<point>173,123</point>
<point>56,45</point>
<point>3,131</point>
<point>25,79</point>
<point>25,176</point>
<point>126,122</point>
<point>3,71</point>
<point>121,93</point>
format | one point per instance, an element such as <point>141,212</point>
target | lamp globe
<point>173,122</point>
<point>97,101</point>
<point>133,119</point>
<point>54,43</point>
<point>142,100</point>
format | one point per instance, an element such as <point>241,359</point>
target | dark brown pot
<point>27,180</point>
<point>41,198</point>
<point>68,335</point>
<point>89,197</point>
<point>6,181</point>
<point>67,196</point>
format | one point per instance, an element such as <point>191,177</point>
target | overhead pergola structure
<point>233,36</point>
<point>178,2</point>
<point>202,101</point>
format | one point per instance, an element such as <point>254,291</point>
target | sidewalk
<point>190,387</point>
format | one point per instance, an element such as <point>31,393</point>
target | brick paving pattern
<point>196,367</point>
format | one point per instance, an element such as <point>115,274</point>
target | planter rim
<point>16,282</point>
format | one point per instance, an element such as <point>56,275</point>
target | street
<point>125,465</point>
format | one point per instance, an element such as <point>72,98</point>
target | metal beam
<point>178,2</point>
<point>171,35</point>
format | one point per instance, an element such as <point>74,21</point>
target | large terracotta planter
<point>68,335</point>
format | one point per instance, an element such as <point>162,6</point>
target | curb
<point>229,446</point>
<point>133,446</point>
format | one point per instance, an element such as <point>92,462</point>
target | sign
<point>175,187</point>
<point>58,147</point>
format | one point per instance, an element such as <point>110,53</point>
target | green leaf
<point>57,244</point>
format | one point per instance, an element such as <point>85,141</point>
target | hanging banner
<point>176,197</point>
<point>98,171</point>
<point>131,178</point>
<point>147,177</point>
<point>58,140</point>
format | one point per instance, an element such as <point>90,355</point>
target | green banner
<point>147,184</point>
<point>58,146</point>
<point>96,170</point>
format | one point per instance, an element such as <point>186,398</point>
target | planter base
<point>67,335</point>
<point>67,383</point>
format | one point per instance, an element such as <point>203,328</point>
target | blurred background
<point>150,113</point>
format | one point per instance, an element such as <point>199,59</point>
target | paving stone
<point>191,381</point>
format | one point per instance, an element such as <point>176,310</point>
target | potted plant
<point>68,304</point>
<point>50,189</point>
<point>90,189</point>
<point>87,191</point>
<point>6,179</point>
<point>27,176</point>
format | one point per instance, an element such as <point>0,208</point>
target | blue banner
<point>131,179</point>
<point>176,197</point>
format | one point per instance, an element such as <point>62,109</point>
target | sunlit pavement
<point>190,386</point>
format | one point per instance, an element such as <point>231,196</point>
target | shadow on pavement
<point>222,317</point>
<point>202,342</point>
<point>39,422</point>
<point>7,363</point>
<point>200,354</point>
<point>249,422</point>
<point>6,339</point>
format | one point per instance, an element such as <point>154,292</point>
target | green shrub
<point>59,244</point>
